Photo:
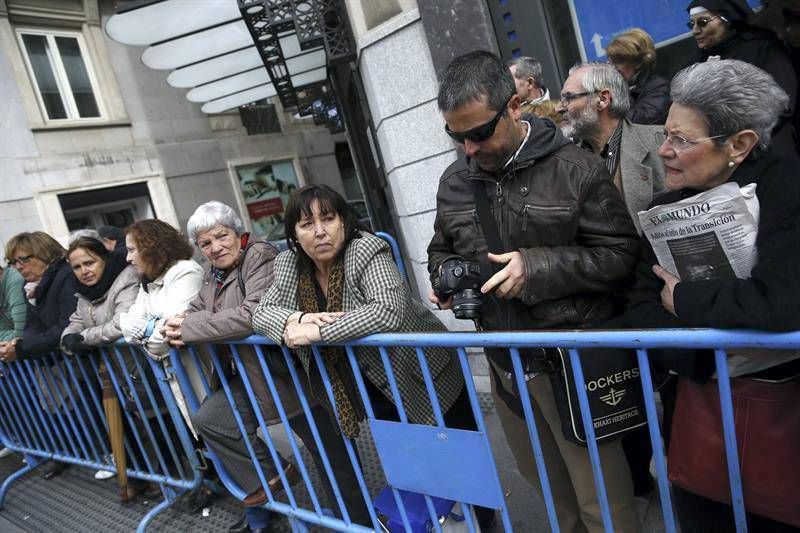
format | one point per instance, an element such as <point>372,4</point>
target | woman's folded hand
<point>301,334</point>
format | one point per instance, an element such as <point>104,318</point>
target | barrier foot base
<point>168,500</point>
<point>31,463</point>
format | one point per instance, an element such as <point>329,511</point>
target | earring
<point>731,164</point>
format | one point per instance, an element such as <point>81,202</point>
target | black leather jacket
<point>557,205</point>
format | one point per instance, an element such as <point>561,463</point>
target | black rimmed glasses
<point>479,133</point>
<point>22,260</point>
<point>566,98</point>
<point>702,22</point>
<point>679,143</point>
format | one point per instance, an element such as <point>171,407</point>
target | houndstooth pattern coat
<point>375,300</point>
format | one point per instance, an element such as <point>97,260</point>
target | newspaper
<point>711,235</point>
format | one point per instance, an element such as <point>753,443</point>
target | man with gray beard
<point>593,105</point>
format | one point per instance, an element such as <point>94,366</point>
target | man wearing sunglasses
<point>566,242</point>
<point>594,101</point>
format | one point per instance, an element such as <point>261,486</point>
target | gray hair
<point>86,232</point>
<point>211,214</point>
<point>732,96</point>
<point>602,76</point>
<point>474,75</point>
<point>527,67</point>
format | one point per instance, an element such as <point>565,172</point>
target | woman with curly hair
<point>169,281</point>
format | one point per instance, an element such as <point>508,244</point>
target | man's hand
<point>670,282</point>
<point>301,334</point>
<point>172,329</point>
<point>446,304</point>
<point>509,282</point>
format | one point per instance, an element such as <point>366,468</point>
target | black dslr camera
<point>462,280</point>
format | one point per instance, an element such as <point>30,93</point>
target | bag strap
<point>486,219</point>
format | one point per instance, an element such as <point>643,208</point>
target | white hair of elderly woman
<point>210,214</point>
<point>749,98</point>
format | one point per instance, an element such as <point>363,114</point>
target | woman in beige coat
<point>240,271</point>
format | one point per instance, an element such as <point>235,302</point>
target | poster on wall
<point>266,188</point>
<point>597,23</point>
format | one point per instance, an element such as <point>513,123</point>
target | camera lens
<point>467,304</point>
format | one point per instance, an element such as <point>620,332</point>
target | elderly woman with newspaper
<point>726,257</point>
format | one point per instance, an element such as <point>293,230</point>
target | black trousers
<point>217,425</point>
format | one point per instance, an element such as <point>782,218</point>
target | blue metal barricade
<point>430,460</point>
<point>51,408</point>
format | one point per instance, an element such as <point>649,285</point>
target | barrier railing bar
<point>143,418</point>
<point>46,388</point>
<point>290,436</point>
<point>472,394</point>
<point>533,434</point>
<point>594,452</point>
<point>240,424</point>
<point>729,435</point>
<point>68,404</point>
<point>398,399</point>
<point>426,376</point>
<point>203,380</point>
<point>28,378</point>
<point>655,439</point>
<point>93,438</point>
<point>28,437</point>
<point>97,405</point>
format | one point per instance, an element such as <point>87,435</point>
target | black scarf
<point>115,264</point>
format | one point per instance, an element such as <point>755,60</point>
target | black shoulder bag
<point>612,380</point>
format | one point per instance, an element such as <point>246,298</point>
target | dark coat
<point>650,99</point>
<point>557,206</point>
<point>55,303</point>
<point>768,300</point>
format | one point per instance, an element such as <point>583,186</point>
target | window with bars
<point>62,74</point>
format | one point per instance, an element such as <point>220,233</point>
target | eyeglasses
<point>702,22</point>
<point>569,97</point>
<point>678,143</point>
<point>478,133</point>
<point>23,260</point>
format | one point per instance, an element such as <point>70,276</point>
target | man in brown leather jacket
<point>568,242</point>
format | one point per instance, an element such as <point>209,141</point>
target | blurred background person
<point>527,73</point>
<point>107,287</point>
<point>51,300</point>
<point>633,54</point>
<point>722,31</point>
<point>12,304</point>
<point>720,133</point>
<point>545,109</point>
<point>112,237</point>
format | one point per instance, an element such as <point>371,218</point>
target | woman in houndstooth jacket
<point>337,283</point>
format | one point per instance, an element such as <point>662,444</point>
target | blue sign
<point>597,22</point>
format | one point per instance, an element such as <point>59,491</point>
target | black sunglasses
<point>478,133</point>
<point>702,22</point>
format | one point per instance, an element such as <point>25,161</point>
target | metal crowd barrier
<point>430,460</point>
<point>51,408</point>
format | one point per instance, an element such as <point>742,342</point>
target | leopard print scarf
<point>343,383</point>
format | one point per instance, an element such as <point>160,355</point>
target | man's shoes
<point>259,497</point>
<point>55,470</point>
<point>240,527</point>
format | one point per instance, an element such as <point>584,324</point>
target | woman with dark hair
<point>50,288</point>
<point>338,282</point>
<point>722,31</point>
<point>107,287</point>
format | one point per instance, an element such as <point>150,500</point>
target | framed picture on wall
<point>266,188</point>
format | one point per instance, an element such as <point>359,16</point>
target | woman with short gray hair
<point>718,132</point>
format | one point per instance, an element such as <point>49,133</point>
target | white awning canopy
<point>209,49</point>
